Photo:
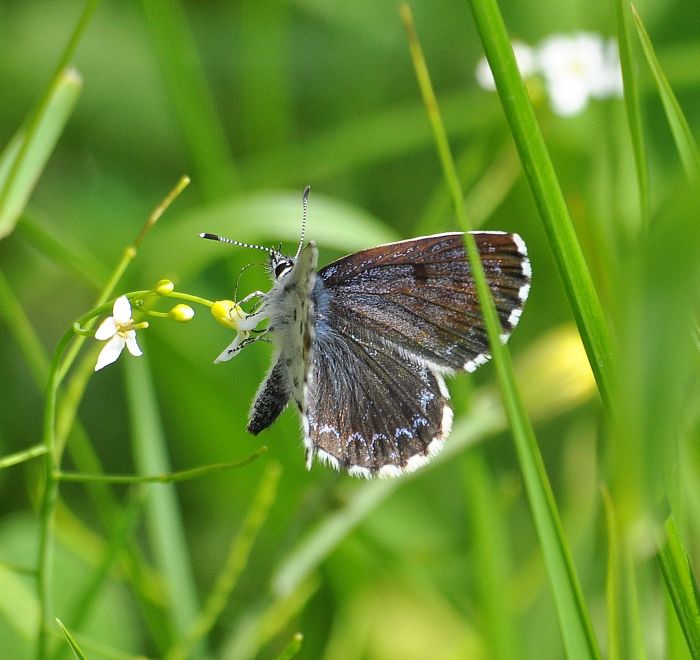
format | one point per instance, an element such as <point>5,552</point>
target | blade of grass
<point>293,648</point>
<point>683,136</point>
<point>235,563</point>
<point>22,456</point>
<point>163,520</point>
<point>632,108</point>
<point>574,620</point>
<point>77,652</point>
<point>625,639</point>
<point>681,585</point>
<point>64,252</point>
<point>490,551</point>
<point>27,153</point>
<point>264,621</point>
<point>193,101</point>
<point>547,193</point>
<point>120,533</point>
<point>42,130</point>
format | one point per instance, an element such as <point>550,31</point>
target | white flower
<point>119,330</point>
<point>577,68</point>
<point>525,58</point>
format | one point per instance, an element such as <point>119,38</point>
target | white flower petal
<point>112,350</point>
<point>525,57</point>
<point>131,344</point>
<point>484,76</point>
<point>568,97</point>
<point>107,329</point>
<point>122,310</point>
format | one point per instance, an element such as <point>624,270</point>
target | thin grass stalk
<point>633,108</point>
<point>548,196</point>
<point>58,79</point>
<point>681,585</point>
<point>574,620</point>
<point>682,135</point>
<point>234,565</point>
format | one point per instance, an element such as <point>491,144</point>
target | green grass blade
<point>632,108</point>
<point>625,638</point>
<point>22,456</point>
<point>194,104</point>
<point>121,532</point>
<point>65,252</point>
<point>574,620</point>
<point>292,649</point>
<point>490,552</point>
<point>236,561</point>
<point>163,520</point>
<point>77,652</point>
<point>682,135</point>
<point>547,193</point>
<point>25,157</point>
<point>681,585</point>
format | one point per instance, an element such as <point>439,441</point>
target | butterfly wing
<point>396,317</point>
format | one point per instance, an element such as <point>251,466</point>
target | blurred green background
<point>255,100</point>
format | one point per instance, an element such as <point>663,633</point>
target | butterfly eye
<point>283,267</point>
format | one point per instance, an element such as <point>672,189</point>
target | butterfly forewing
<point>419,295</point>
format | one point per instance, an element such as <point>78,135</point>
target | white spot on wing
<point>474,364</point>
<point>520,244</point>
<point>327,459</point>
<point>389,471</point>
<point>515,316</point>
<point>359,471</point>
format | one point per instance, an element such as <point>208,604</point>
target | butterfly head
<point>280,264</point>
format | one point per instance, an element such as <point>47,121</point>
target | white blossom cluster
<point>575,68</point>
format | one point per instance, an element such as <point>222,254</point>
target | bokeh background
<point>255,100</point>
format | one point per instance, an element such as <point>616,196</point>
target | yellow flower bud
<point>228,313</point>
<point>164,288</point>
<point>181,313</point>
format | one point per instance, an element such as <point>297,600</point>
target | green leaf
<point>574,620</point>
<point>191,96</point>
<point>77,652</point>
<point>25,157</point>
<point>544,185</point>
<point>681,585</point>
<point>163,519</point>
<point>632,108</point>
<point>683,136</point>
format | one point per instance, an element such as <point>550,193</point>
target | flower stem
<point>191,298</point>
<point>166,477</point>
<point>48,500</point>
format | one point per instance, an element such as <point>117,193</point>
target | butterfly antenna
<point>238,279</point>
<point>223,239</point>
<point>305,204</point>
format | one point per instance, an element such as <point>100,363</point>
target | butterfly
<point>363,344</point>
